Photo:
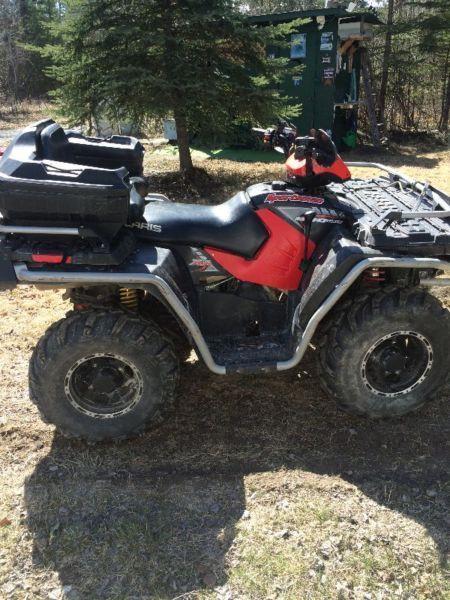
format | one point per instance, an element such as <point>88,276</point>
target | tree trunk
<point>176,103</point>
<point>369,98</point>
<point>443,125</point>
<point>385,66</point>
<point>445,112</point>
<point>184,151</point>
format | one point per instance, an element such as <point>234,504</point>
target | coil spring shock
<point>129,298</point>
<point>374,275</point>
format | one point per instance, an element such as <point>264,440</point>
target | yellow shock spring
<point>129,298</point>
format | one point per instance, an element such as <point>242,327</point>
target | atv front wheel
<point>103,375</point>
<point>386,354</point>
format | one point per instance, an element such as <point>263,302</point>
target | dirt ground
<point>256,487</point>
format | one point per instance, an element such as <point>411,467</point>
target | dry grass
<point>255,488</point>
<point>12,117</point>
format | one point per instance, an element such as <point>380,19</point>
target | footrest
<point>250,354</point>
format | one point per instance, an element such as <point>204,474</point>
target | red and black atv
<point>280,138</point>
<point>318,259</point>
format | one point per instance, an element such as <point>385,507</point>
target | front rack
<point>396,213</point>
<point>422,189</point>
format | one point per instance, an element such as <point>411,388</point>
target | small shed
<point>330,46</point>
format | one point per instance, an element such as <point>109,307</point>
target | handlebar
<point>318,146</point>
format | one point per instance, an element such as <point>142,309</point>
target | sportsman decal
<point>271,198</point>
<point>202,265</point>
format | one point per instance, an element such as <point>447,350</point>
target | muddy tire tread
<point>336,335</point>
<point>84,324</point>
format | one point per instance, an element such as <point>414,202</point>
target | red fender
<point>277,262</point>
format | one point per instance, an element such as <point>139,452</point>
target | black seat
<point>232,226</point>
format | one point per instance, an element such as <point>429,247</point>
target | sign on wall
<point>328,76</point>
<point>326,41</point>
<point>298,45</point>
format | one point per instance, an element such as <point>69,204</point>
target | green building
<point>330,46</point>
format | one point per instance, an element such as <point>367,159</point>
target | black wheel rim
<point>103,386</point>
<point>397,363</point>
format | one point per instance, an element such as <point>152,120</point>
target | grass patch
<point>24,113</point>
<point>245,155</point>
<point>304,543</point>
<point>170,150</point>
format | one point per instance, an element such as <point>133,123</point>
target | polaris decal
<point>330,217</point>
<point>271,198</point>
<point>146,226</point>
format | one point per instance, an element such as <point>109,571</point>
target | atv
<point>317,260</point>
<point>280,138</point>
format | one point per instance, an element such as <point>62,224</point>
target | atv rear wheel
<point>386,354</point>
<point>103,375</point>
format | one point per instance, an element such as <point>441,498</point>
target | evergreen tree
<point>24,32</point>
<point>198,60</point>
<point>38,17</point>
<point>261,7</point>
<point>12,56</point>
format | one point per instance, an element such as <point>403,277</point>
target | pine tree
<point>12,56</point>
<point>260,7</point>
<point>24,31</point>
<point>198,60</point>
<point>38,17</point>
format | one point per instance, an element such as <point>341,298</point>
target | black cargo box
<point>53,143</point>
<point>43,192</point>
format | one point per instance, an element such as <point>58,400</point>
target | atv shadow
<point>155,517</point>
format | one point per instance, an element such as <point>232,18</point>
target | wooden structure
<point>329,45</point>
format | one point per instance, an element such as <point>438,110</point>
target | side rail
<point>146,280</point>
<point>345,284</point>
<point>67,278</point>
